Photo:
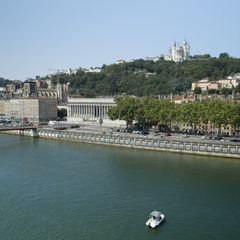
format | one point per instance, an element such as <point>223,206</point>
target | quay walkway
<point>17,128</point>
<point>194,147</point>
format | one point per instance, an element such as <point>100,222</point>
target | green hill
<point>144,78</point>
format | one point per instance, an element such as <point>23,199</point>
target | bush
<point>75,126</point>
<point>61,128</point>
<point>43,123</point>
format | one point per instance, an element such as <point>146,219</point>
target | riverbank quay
<point>171,145</point>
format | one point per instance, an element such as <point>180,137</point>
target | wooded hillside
<point>145,78</point>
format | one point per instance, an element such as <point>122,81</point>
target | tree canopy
<point>147,78</point>
<point>154,111</point>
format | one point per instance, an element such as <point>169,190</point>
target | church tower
<point>185,57</point>
<point>174,50</point>
<point>169,56</point>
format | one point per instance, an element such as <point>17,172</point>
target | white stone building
<point>155,59</point>
<point>91,109</point>
<point>120,61</point>
<point>178,53</point>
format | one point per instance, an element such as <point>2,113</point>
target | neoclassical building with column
<point>94,109</point>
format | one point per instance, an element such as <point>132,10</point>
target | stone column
<point>69,111</point>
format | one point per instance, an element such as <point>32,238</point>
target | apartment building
<point>41,109</point>
<point>205,83</point>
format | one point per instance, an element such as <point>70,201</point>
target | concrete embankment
<point>216,149</point>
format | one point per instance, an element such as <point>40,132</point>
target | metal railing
<point>177,146</point>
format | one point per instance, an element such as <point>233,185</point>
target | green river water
<point>51,189</point>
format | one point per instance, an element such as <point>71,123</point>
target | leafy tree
<point>237,88</point>
<point>189,113</point>
<point>45,85</point>
<point>218,113</point>
<point>213,91</point>
<point>224,55</point>
<point>197,90</point>
<point>233,114</point>
<point>226,91</point>
<point>62,112</point>
<point>140,111</point>
<point>167,113</point>
<point>89,94</point>
<point>6,82</point>
<point>181,84</point>
<point>125,110</point>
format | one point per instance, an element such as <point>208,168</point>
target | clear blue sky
<point>59,34</point>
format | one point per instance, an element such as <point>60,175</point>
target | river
<point>53,189</point>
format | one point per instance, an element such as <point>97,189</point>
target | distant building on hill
<point>120,61</point>
<point>155,59</point>
<point>205,83</point>
<point>178,53</point>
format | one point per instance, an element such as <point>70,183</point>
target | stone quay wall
<point>197,148</point>
<point>174,146</point>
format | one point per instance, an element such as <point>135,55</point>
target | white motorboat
<point>155,218</point>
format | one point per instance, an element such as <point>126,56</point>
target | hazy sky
<point>59,34</point>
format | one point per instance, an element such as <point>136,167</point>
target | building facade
<point>29,109</point>
<point>91,109</point>
<point>178,53</point>
<point>205,84</point>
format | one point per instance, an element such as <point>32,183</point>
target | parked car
<point>235,140</point>
<point>103,132</point>
<point>185,136</point>
<point>203,137</point>
<point>223,140</point>
<point>168,134</point>
<point>156,134</point>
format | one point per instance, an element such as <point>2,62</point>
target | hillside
<point>144,78</point>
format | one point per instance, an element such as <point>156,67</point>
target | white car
<point>203,137</point>
<point>185,136</point>
<point>155,218</point>
<point>223,140</point>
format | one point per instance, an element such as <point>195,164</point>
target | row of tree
<point>155,111</point>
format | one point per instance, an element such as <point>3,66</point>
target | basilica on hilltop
<point>178,53</point>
